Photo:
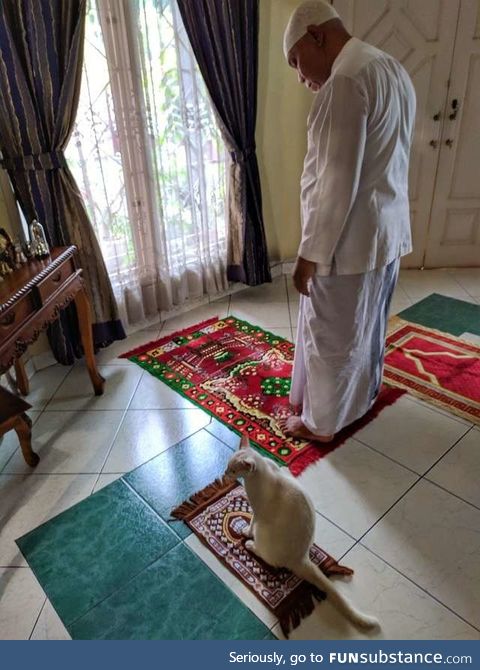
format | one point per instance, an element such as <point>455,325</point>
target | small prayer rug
<point>241,374</point>
<point>217,515</point>
<point>438,368</point>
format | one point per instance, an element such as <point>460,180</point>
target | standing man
<point>355,218</point>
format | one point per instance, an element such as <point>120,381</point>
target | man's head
<point>313,39</point>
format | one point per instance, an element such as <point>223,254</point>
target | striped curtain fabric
<point>224,39</point>
<point>41,54</point>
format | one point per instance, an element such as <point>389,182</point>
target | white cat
<point>283,524</point>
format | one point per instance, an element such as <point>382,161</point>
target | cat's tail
<point>312,574</point>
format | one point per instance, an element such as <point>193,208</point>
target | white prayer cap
<point>309,13</point>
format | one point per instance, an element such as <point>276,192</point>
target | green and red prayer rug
<point>241,374</point>
<point>217,515</point>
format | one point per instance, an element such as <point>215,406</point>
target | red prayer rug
<point>217,516</point>
<point>241,375</point>
<point>438,368</point>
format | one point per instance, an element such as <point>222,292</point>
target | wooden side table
<point>13,417</point>
<point>31,298</point>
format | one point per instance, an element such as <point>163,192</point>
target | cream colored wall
<point>283,107</point>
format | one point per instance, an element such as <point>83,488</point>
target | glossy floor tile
<point>110,355</point>
<point>274,292</point>
<point>223,433</point>
<point>418,284</point>
<point>49,626</point>
<point>26,501</point>
<point>412,434</point>
<point>433,538</point>
<point>144,434</point>
<point>459,469</point>
<point>92,549</point>
<point>354,486</point>
<point>105,480</point>
<point>21,599</point>
<point>45,383</point>
<point>76,392</point>
<point>151,393</point>
<point>169,479</point>
<point>69,442</point>
<point>270,316</point>
<point>218,308</point>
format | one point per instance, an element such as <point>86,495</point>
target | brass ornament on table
<point>27,250</point>
<point>20,258</point>
<point>7,254</point>
<point>38,240</point>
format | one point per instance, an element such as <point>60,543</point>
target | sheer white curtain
<point>149,159</point>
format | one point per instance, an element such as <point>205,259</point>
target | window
<point>147,153</point>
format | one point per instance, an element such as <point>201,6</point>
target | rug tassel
<point>206,495</point>
<point>294,616</point>
<point>331,567</point>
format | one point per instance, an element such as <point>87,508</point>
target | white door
<point>454,235</point>
<point>421,35</point>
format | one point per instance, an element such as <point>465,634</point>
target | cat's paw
<point>250,546</point>
<point>247,531</point>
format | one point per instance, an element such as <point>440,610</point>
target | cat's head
<point>243,462</point>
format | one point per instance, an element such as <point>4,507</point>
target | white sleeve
<point>338,166</point>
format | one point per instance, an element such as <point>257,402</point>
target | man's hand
<point>302,273</point>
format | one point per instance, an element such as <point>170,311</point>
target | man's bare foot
<point>294,427</point>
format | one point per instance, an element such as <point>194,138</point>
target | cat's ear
<point>248,463</point>
<point>244,442</point>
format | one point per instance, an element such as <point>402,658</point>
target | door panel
<point>454,235</point>
<point>421,36</point>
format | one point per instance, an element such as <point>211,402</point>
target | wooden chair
<point>13,417</point>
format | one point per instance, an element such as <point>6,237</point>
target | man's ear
<point>317,33</point>
<point>244,442</point>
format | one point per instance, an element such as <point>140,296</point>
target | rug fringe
<point>207,495</point>
<point>154,344</point>
<point>292,617</point>
<point>388,396</point>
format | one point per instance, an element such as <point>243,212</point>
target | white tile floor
<point>400,502</point>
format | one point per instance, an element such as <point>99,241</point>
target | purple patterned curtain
<point>41,54</point>
<point>224,39</point>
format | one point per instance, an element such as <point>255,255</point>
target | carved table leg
<point>21,377</point>
<point>23,428</point>
<point>85,322</point>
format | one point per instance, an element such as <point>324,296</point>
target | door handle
<point>433,143</point>
<point>455,107</point>
<point>449,142</point>
<point>436,117</point>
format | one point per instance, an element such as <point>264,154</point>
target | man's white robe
<point>355,227</point>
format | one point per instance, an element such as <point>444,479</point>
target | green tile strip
<point>449,315</point>
<point>115,567</point>
<point>176,598</point>
<point>84,554</point>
